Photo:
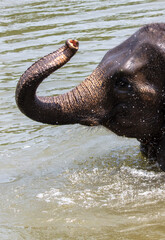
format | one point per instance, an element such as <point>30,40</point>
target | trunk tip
<point>73,44</point>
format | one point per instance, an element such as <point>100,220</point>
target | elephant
<point>125,93</point>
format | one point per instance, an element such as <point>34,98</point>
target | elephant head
<point>125,93</point>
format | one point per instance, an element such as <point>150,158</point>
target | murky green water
<point>71,182</point>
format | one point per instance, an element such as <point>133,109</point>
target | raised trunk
<point>81,105</point>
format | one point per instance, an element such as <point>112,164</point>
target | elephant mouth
<point>119,115</point>
<point>90,121</point>
<point>120,120</point>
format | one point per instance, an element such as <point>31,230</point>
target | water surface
<point>71,182</point>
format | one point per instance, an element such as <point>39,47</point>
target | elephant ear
<point>146,64</point>
<point>155,73</point>
<point>155,65</point>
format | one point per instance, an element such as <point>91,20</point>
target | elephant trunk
<point>81,105</point>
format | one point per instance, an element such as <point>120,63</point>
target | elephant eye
<point>122,83</point>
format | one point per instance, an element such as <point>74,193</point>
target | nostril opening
<point>72,43</point>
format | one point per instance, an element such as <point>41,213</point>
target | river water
<point>72,182</point>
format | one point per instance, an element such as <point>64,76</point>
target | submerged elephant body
<point>125,93</point>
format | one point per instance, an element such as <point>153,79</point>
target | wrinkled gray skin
<point>125,93</point>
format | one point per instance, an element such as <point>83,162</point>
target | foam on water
<point>108,187</point>
<point>55,194</point>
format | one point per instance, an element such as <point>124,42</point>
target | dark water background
<point>72,182</point>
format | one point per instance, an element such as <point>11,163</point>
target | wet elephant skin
<point>125,93</point>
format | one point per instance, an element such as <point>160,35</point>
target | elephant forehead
<point>134,63</point>
<point>161,45</point>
